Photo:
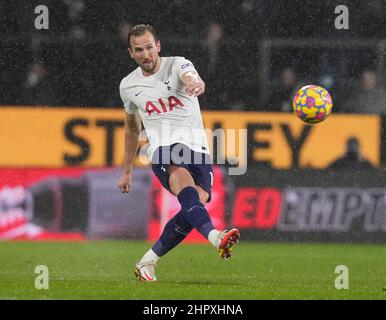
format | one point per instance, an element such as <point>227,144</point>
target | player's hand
<point>124,183</point>
<point>195,87</point>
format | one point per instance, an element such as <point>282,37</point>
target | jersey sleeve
<point>129,106</point>
<point>182,65</point>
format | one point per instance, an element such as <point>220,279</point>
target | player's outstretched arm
<point>193,83</point>
<point>132,131</point>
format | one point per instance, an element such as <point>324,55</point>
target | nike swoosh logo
<point>136,94</point>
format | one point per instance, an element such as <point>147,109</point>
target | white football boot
<point>145,271</point>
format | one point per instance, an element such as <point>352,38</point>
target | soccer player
<point>162,92</point>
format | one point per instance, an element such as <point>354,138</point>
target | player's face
<point>144,50</point>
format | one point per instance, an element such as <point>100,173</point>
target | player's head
<point>144,47</point>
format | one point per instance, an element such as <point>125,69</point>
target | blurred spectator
<point>248,27</point>
<point>37,88</point>
<point>370,97</point>
<point>281,98</point>
<point>76,8</point>
<point>327,72</point>
<point>177,10</point>
<point>214,68</point>
<point>123,31</point>
<point>213,44</point>
<point>243,20</point>
<point>352,159</point>
<point>119,65</point>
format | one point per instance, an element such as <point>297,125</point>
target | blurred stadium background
<point>61,124</point>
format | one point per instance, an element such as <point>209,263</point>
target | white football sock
<point>214,238</point>
<point>149,256</point>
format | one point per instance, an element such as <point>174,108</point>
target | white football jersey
<point>168,113</point>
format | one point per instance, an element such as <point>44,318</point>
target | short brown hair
<point>139,29</point>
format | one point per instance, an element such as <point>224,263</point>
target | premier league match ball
<point>312,104</point>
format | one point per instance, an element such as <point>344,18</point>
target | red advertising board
<point>15,222</point>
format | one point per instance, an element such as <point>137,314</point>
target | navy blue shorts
<point>200,165</point>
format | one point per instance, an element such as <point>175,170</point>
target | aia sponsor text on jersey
<point>163,105</point>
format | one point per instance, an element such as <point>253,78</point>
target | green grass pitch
<point>104,270</point>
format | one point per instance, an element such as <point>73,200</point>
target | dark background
<point>82,58</point>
